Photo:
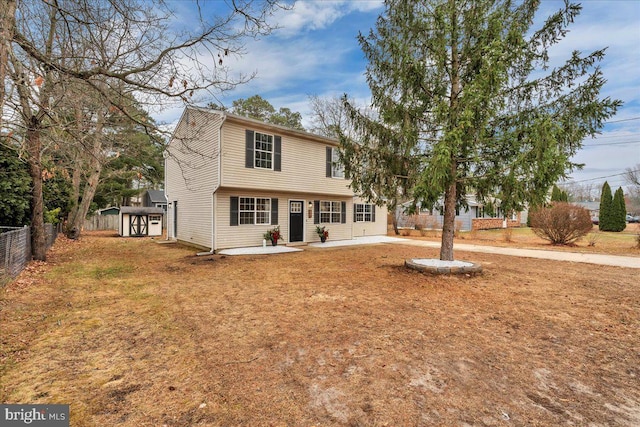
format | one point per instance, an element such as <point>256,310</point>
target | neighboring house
<point>155,199</point>
<point>229,179</point>
<point>474,217</point>
<point>592,207</point>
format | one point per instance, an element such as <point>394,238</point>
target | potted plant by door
<point>323,233</point>
<point>273,235</point>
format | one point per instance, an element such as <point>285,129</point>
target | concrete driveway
<point>601,259</point>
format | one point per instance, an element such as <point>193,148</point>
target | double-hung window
<point>263,150</point>
<point>330,212</point>
<point>363,212</point>
<point>335,168</point>
<point>254,210</point>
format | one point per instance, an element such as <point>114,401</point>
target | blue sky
<point>315,52</point>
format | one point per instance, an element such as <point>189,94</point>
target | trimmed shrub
<point>561,223</point>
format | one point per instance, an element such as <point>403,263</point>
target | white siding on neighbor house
<point>425,219</point>
<point>248,235</point>
<point>303,167</point>
<point>192,175</point>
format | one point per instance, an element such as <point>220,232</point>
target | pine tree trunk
<point>34,148</point>
<point>450,196</point>
<point>393,208</point>
<point>448,223</point>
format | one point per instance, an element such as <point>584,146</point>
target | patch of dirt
<point>134,333</point>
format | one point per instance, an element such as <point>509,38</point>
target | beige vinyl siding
<point>377,228</point>
<point>192,174</point>
<point>303,164</point>
<point>248,235</point>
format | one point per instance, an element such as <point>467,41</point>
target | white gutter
<point>215,189</point>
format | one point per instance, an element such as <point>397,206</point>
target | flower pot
<point>323,239</point>
<point>274,242</point>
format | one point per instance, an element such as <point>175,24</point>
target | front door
<point>138,225</point>
<point>296,220</point>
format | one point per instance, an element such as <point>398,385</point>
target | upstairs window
<point>335,168</point>
<point>263,152</point>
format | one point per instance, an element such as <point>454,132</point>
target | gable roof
<point>157,196</point>
<point>276,128</point>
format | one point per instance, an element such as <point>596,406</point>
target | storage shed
<point>140,221</point>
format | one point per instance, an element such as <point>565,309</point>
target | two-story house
<point>229,179</point>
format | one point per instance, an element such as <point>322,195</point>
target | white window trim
<point>256,150</point>
<point>364,212</point>
<point>254,211</point>
<point>337,168</point>
<point>331,212</point>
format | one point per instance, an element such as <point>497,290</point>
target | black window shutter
<point>316,211</point>
<point>234,211</point>
<point>343,212</point>
<point>329,157</point>
<point>249,157</point>
<point>373,213</point>
<point>354,212</point>
<point>277,155</point>
<point>274,211</point>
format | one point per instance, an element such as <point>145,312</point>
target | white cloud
<point>315,15</point>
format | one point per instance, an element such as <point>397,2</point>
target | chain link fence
<point>15,248</point>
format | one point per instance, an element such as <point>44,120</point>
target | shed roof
<point>142,210</point>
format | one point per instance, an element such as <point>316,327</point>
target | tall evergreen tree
<point>557,195</point>
<point>619,211</point>
<point>467,102</point>
<point>606,201</point>
<point>256,107</point>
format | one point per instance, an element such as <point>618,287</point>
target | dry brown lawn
<point>134,333</point>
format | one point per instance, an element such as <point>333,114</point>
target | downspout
<point>215,189</point>
<point>165,155</point>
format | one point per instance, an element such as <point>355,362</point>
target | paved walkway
<point>602,259</point>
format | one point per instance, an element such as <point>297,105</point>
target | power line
<point>611,143</point>
<point>629,135</point>
<point>622,120</point>
<point>600,177</point>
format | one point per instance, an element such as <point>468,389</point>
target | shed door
<point>138,225</point>
<point>296,221</point>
